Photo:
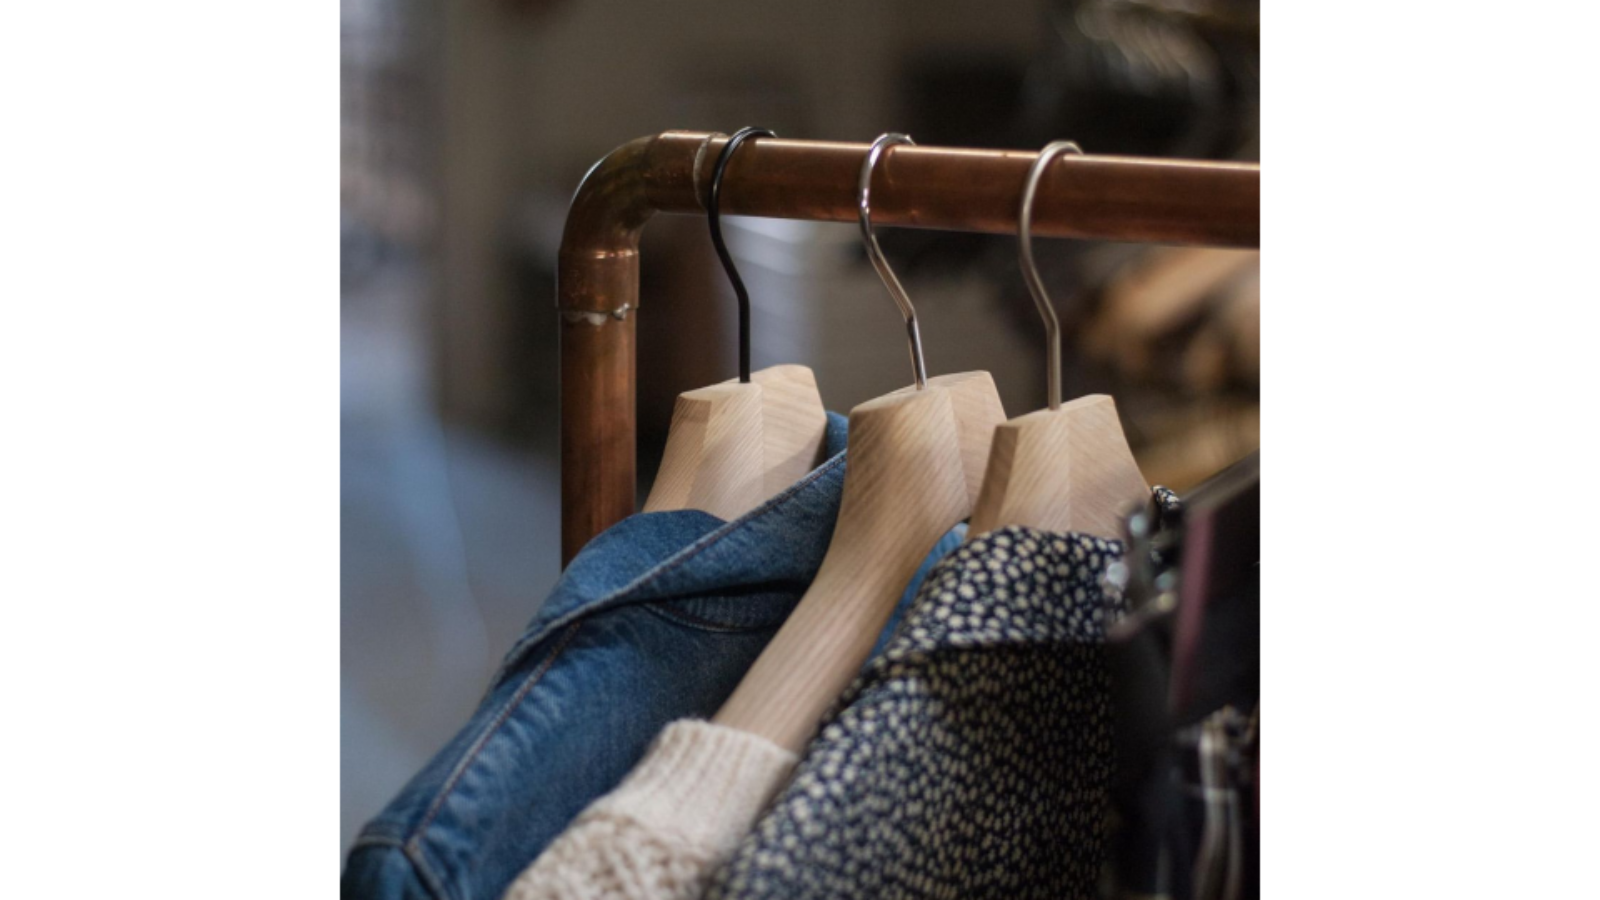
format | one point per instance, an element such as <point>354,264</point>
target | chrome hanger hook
<point>864,207</point>
<point>1030,272</point>
<point>714,218</point>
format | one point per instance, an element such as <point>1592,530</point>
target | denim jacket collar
<point>665,555</point>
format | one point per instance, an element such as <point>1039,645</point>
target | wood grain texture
<point>975,402</point>
<point>731,446</point>
<point>1067,469</point>
<point>906,484</point>
<point>714,459</point>
<point>794,424</point>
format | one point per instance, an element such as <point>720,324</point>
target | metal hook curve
<point>919,370</point>
<point>1030,272</point>
<point>714,218</point>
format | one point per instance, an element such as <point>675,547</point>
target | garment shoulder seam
<point>700,546</point>
<point>683,556</point>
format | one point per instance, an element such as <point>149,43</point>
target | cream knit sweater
<point>679,814</point>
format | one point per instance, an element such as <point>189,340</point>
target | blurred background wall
<point>466,127</point>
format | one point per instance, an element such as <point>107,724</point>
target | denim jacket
<point>657,619</point>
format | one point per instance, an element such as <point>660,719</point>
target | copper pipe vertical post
<point>1087,197</point>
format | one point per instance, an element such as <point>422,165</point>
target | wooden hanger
<point>1068,467</point>
<point>732,445</point>
<point>913,467</point>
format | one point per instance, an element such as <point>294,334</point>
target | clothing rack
<point>1103,198</point>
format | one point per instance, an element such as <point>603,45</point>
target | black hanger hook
<point>714,217</point>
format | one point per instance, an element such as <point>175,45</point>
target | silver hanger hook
<point>1030,272</point>
<point>864,207</point>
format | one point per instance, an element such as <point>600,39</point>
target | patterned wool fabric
<point>973,756</point>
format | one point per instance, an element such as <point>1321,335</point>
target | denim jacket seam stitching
<point>412,843</point>
<point>425,873</point>
<point>705,624</point>
<point>410,847</point>
<point>376,840</point>
<point>682,556</point>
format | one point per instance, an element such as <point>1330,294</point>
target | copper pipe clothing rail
<point>1088,197</point>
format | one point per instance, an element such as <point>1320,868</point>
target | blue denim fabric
<point>656,619</point>
<point>951,540</point>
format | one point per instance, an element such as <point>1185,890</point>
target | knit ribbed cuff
<point>705,783</point>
